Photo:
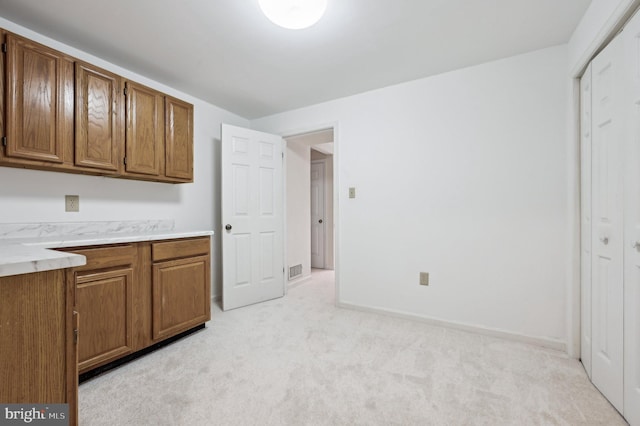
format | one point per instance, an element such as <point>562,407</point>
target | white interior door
<point>318,221</point>
<point>585,219</point>
<point>632,224</point>
<point>252,217</point>
<point>607,205</point>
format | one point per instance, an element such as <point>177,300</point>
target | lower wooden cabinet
<point>38,363</point>
<point>131,296</point>
<point>181,286</point>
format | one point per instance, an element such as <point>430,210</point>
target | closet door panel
<point>585,219</point>
<point>606,241</point>
<point>632,224</point>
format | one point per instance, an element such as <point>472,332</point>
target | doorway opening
<point>310,235</point>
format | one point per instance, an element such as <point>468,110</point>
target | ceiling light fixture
<point>293,14</point>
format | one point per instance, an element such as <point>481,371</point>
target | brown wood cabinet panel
<point>99,130</point>
<point>144,138</point>
<point>3,75</point>
<point>104,301</point>
<point>39,101</point>
<point>36,339</point>
<point>174,249</point>
<point>178,139</point>
<point>181,295</point>
<point>103,257</point>
<point>142,295</point>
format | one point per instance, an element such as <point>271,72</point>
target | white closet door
<point>632,224</point>
<point>607,204</point>
<point>585,219</point>
<point>317,215</point>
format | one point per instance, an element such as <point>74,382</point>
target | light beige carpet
<point>301,361</point>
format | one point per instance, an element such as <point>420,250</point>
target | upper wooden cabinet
<point>39,101</point>
<point>178,132</point>
<point>145,131</point>
<point>63,114</point>
<point>99,127</point>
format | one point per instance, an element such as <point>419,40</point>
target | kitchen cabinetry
<point>39,103</point>
<point>181,286</point>
<point>132,296</point>
<point>37,336</point>
<point>145,131</point>
<point>99,127</point>
<point>63,114</point>
<point>178,132</point>
<point>104,294</point>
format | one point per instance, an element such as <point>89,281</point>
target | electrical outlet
<point>352,193</point>
<point>424,278</point>
<point>72,203</point>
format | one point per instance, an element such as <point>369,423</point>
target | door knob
<point>605,240</point>
<point>320,221</point>
<point>228,227</point>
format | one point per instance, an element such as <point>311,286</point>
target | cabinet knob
<point>605,240</point>
<point>228,227</point>
<point>320,221</point>
<point>636,245</point>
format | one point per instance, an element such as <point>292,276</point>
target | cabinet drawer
<point>106,257</point>
<point>179,248</point>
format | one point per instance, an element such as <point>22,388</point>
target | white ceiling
<point>227,53</point>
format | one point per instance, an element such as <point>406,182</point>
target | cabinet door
<point>98,118</point>
<point>39,101</point>
<point>178,139</point>
<point>145,131</point>
<point>181,295</point>
<point>104,302</point>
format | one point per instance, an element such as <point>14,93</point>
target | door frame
<point>335,125</point>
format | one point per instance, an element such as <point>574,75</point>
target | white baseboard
<point>539,341</point>
<point>298,281</point>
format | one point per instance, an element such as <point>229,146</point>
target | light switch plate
<point>352,192</point>
<point>72,203</point>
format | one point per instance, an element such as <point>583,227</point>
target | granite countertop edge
<point>27,255</point>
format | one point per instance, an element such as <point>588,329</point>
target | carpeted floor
<point>301,361</point>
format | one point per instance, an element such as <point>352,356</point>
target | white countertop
<point>27,255</point>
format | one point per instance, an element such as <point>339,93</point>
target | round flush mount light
<point>293,14</point>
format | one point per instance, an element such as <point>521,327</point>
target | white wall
<point>462,175</point>
<point>37,196</point>
<point>298,206</point>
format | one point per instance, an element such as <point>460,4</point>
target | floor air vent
<point>294,271</point>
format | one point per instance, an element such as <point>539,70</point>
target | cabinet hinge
<point>125,91</point>
<point>124,160</point>
<point>75,336</point>
<point>4,47</point>
<point>4,141</point>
